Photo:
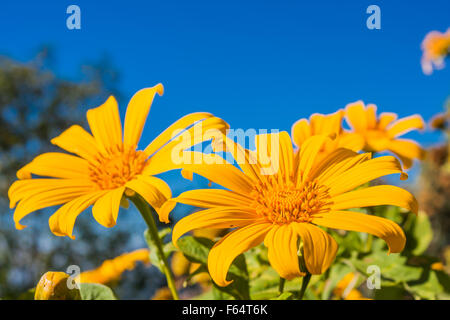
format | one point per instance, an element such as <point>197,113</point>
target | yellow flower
<point>111,270</point>
<point>104,165</point>
<point>381,133</point>
<point>53,286</point>
<point>329,125</point>
<point>435,47</point>
<point>288,204</point>
<point>345,288</point>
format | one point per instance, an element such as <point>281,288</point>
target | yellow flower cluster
<point>312,187</point>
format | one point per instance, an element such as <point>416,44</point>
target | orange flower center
<point>118,168</point>
<point>285,203</point>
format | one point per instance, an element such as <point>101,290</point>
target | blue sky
<point>257,64</point>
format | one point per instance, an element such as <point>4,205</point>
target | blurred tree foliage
<point>434,184</point>
<point>35,106</point>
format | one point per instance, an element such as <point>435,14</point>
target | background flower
<point>381,133</point>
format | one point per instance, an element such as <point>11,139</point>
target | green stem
<point>281,285</point>
<point>146,213</point>
<point>305,282</point>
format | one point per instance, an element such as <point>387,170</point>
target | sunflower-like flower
<point>381,133</point>
<point>435,47</point>
<point>112,269</point>
<point>102,166</point>
<point>329,125</point>
<point>280,207</point>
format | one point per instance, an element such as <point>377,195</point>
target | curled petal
<point>376,196</point>
<point>56,165</point>
<point>319,247</point>
<point>137,112</point>
<point>106,209</point>
<point>282,242</point>
<point>223,253</point>
<point>222,218</point>
<point>348,220</point>
<point>63,220</point>
<point>404,125</point>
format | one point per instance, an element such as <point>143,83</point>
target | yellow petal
<point>333,123</point>
<point>336,162</point>
<point>173,129</point>
<point>229,247</point>
<point>172,152</point>
<point>319,247</point>
<point>246,160</point>
<point>376,196</point>
<point>282,242</point>
<point>404,125</point>
<point>385,119</point>
<point>40,198</point>
<point>356,117</point>
<point>406,148</point>
<point>106,209</point>
<point>364,172</point>
<point>286,156</point>
<point>41,193</point>
<point>211,166</point>
<point>371,116</point>
<point>105,125</point>
<point>63,220</point>
<point>208,198</point>
<point>308,154</point>
<point>217,218</point>
<point>352,141</point>
<point>300,132</point>
<point>154,190</point>
<point>354,221</point>
<point>57,165</point>
<point>268,153</point>
<point>317,121</point>
<point>137,112</point>
<point>79,141</point>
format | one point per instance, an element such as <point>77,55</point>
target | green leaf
<point>393,267</point>
<point>284,296</point>
<point>95,291</point>
<point>432,285</point>
<point>196,250</point>
<point>421,232</point>
<point>168,247</point>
